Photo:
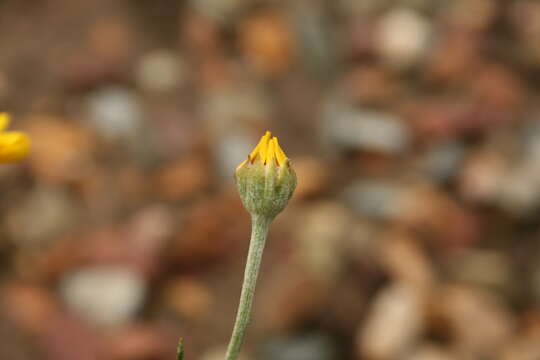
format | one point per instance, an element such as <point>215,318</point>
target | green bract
<point>265,189</point>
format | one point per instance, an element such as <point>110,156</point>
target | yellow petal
<point>14,146</point>
<point>4,120</point>
<point>268,150</point>
<point>280,155</point>
<point>261,148</point>
<point>270,153</point>
<point>241,164</point>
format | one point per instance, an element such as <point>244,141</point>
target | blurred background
<point>414,128</point>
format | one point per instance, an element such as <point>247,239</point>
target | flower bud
<point>266,180</point>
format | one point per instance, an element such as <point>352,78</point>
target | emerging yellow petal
<point>280,155</point>
<point>267,150</point>
<point>241,164</point>
<point>261,148</point>
<point>270,153</point>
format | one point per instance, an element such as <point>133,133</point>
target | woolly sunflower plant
<point>266,182</point>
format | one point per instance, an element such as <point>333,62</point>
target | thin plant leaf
<point>180,350</point>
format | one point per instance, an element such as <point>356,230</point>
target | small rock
<point>104,295</point>
<point>403,36</point>
<point>116,113</point>
<point>374,198</point>
<point>402,257</point>
<point>160,71</point>
<point>393,325</point>
<point>367,130</point>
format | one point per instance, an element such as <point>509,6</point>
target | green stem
<point>259,230</point>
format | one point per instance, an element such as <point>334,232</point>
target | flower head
<point>14,145</point>
<point>266,180</point>
<point>268,150</point>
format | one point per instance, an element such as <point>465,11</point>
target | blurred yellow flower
<point>14,145</point>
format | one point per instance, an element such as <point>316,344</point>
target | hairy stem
<point>259,230</point>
